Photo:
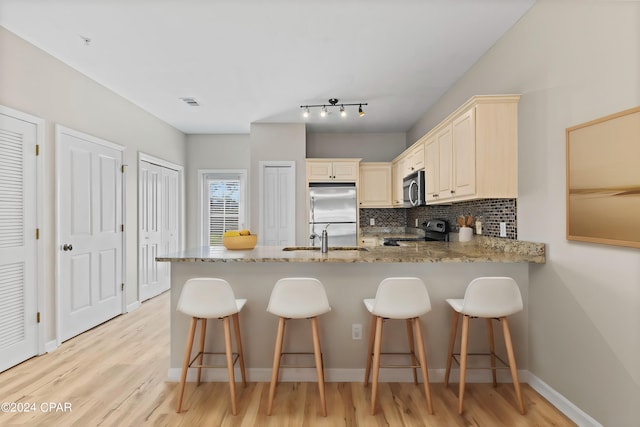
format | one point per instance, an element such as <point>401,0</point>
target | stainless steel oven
<point>413,189</point>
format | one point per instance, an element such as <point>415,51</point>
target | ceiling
<point>250,61</point>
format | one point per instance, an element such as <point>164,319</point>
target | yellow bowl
<point>240,242</point>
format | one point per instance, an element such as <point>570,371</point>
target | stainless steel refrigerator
<point>333,206</point>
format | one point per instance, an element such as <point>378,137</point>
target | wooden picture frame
<point>603,180</point>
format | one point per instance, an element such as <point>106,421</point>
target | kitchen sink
<point>331,248</point>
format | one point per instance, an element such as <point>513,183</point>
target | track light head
<point>343,113</point>
<point>360,112</point>
<point>323,112</point>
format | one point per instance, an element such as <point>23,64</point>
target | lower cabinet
<point>369,241</point>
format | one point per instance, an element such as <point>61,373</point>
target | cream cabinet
<point>323,170</point>
<point>438,165</point>
<point>397,175</point>
<point>464,155</point>
<point>473,154</point>
<point>414,160</point>
<point>375,185</point>
<point>369,241</point>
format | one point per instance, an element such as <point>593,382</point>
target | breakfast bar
<point>350,275</point>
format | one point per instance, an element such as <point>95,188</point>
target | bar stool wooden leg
<point>412,348</point>
<point>376,363</point>
<point>319,368</point>
<point>372,335</point>
<point>276,363</point>
<point>512,363</point>
<point>203,333</point>
<point>185,364</point>
<point>463,360</point>
<point>236,327</point>
<point>452,342</point>
<point>229,353</point>
<point>423,362</point>
<point>492,350</point>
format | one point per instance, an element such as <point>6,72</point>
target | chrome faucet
<point>324,241</point>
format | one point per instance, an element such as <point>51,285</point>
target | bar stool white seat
<point>298,298</point>
<point>404,298</point>
<point>211,298</point>
<point>489,298</point>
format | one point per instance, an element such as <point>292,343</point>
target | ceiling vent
<point>191,102</point>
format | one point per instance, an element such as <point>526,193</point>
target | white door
<point>158,208</point>
<point>278,205</point>
<point>170,219</point>
<point>18,251</point>
<point>150,234</point>
<point>90,235</point>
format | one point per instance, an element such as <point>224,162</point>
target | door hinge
<point>37,149</point>
<point>37,233</point>
<point>122,168</point>
<point>38,317</point>
<point>122,227</point>
<point>122,287</point>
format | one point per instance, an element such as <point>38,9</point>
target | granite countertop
<point>481,249</point>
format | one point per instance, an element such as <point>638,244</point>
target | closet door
<point>158,209</point>
<point>18,253</point>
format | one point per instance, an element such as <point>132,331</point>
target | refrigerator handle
<point>313,219</point>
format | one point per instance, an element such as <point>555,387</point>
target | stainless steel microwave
<point>413,190</point>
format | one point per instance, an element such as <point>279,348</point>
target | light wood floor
<point>114,375</point>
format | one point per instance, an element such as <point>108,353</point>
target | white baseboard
<point>563,404</point>
<point>51,346</point>
<point>133,306</point>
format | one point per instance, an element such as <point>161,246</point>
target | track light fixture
<point>333,102</point>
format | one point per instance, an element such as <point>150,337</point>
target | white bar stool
<point>489,298</point>
<point>209,298</point>
<point>404,298</point>
<point>298,298</point>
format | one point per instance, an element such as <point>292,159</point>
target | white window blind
<point>225,205</point>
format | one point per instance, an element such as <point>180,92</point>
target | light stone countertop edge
<point>481,249</point>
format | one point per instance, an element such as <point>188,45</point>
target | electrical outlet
<point>372,221</point>
<point>503,229</point>
<point>356,331</point>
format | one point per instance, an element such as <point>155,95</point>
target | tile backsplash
<point>492,211</point>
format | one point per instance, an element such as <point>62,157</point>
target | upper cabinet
<point>438,165</point>
<point>375,190</point>
<point>414,159</point>
<point>397,175</point>
<point>473,154</point>
<point>323,170</point>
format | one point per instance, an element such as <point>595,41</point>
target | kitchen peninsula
<point>349,276</point>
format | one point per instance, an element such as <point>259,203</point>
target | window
<point>224,204</point>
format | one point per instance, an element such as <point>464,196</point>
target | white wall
<point>284,142</point>
<point>572,61</point>
<point>370,147</point>
<point>34,82</point>
<point>210,152</point>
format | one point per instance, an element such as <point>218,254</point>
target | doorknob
<point>67,247</point>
